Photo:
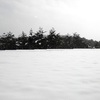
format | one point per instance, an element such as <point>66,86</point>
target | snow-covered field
<point>50,74</point>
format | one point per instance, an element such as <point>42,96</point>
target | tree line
<point>38,40</point>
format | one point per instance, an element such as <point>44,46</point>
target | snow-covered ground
<point>50,74</point>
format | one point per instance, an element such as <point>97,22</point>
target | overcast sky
<point>66,16</point>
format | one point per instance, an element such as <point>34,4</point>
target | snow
<point>72,74</point>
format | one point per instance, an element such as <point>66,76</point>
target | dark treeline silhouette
<point>38,40</point>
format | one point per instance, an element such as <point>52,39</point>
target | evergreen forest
<point>38,40</point>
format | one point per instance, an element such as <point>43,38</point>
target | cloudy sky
<point>66,16</point>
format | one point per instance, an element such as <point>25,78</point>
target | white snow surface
<point>72,74</point>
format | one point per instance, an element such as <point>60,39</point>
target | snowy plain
<point>72,74</point>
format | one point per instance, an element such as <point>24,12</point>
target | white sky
<point>66,16</point>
